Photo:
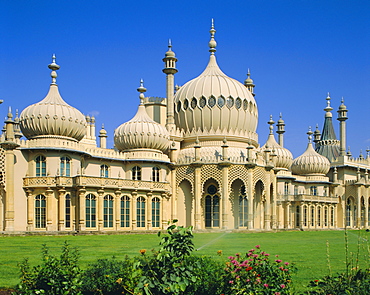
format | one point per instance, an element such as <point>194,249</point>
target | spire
<point>54,67</point>
<point>271,123</point>
<point>212,43</point>
<point>142,90</point>
<point>280,130</point>
<point>342,117</point>
<point>327,145</point>
<point>309,133</point>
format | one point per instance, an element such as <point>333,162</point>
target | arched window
<point>212,207</point>
<point>65,166</point>
<point>297,216</point>
<point>243,208</point>
<point>155,173</point>
<point>305,215</point>
<point>125,211</point>
<point>296,190</point>
<point>286,188</point>
<point>331,216</point>
<point>326,216</point>
<point>362,212</point>
<point>313,190</point>
<point>40,166</point>
<point>90,210</point>
<point>108,211</point>
<point>140,212</point>
<point>68,211</point>
<point>312,216</point>
<point>104,171</point>
<point>40,211</point>
<point>136,173</point>
<point>349,208</point>
<point>156,212</point>
<point>319,216</point>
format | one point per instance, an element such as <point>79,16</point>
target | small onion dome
<point>141,132</point>
<point>102,131</point>
<point>52,116</point>
<point>284,157</point>
<point>169,53</point>
<point>310,162</point>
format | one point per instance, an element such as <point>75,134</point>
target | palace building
<point>194,156</point>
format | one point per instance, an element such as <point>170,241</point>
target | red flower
<point>249,268</point>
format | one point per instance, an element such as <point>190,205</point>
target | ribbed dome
<point>141,132</point>
<point>310,162</point>
<point>52,116</point>
<point>214,101</point>
<point>284,157</point>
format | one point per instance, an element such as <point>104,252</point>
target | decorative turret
<point>103,137</point>
<point>316,135</point>
<point>170,70</point>
<point>249,83</point>
<point>53,117</point>
<point>328,145</point>
<point>280,130</point>
<point>342,117</point>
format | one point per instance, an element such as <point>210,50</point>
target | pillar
<point>62,209</point>
<point>198,197</point>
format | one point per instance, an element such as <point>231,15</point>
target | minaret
<point>249,83</point>
<point>170,70</point>
<point>103,137</point>
<point>280,130</point>
<point>316,135</point>
<point>342,117</point>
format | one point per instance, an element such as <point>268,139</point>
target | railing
<point>90,181</point>
<point>307,198</point>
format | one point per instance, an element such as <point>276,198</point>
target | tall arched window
<point>155,173</point>
<point>136,173</point>
<point>331,216</point>
<point>297,216</point>
<point>156,212</point>
<point>312,216</point>
<point>68,211</point>
<point>40,166</point>
<point>349,209</point>
<point>125,211</point>
<point>108,211</point>
<point>305,215</point>
<point>65,166</point>
<point>40,211</point>
<point>243,208</point>
<point>326,216</point>
<point>362,212</point>
<point>140,212</point>
<point>90,210</point>
<point>104,171</point>
<point>319,216</point>
<point>212,207</point>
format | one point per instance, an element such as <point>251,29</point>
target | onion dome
<point>214,101</point>
<point>52,116</point>
<point>141,132</point>
<point>284,157</point>
<point>310,162</point>
<point>169,53</point>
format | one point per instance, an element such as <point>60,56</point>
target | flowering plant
<point>257,273</point>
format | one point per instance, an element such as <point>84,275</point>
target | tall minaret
<point>170,70</point>
<point>342,117</point>
<point>281,130</point>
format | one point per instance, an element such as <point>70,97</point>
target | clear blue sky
<point>297,51</point>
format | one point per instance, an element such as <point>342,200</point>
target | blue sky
<point>297,51</point>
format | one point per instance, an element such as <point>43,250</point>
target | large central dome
<point>214,103</point>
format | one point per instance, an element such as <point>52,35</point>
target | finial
<point>349,154</point>
<point>342,100</point>
<point>271,123</point>
<point>141,89</point>
<point>309,133</point>
<point>169,45</point>
<point>54,67</point>
<point>328,107</point>
<point>212,43</point>
<point>10,115</point>
<point>224,141</point>
<point>102,126</point>
<point>249,73</point>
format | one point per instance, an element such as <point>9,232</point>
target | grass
<point>307,249</point>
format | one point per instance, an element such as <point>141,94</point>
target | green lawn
<point>307,249</point>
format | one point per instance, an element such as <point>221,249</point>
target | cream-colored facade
<point>192,156</point>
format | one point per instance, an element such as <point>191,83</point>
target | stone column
<point>224,196</point>
<point>82,209</point>
<point>62,209</point>
<point>173,196</point>
<point>117,209</point>
<point>99,209</point>
<point>30,210</point>
<point>287,215</point>
<point>267,212</point>
<point>250,199</point>
<point>133,210</point>
<point>51,210</point>
<point>198,197</point>
<point>148,211</point>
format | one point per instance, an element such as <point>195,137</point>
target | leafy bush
<point>167,271</point>
<point>109,277</point>
<point>256,273</point>
<point>55,276</point>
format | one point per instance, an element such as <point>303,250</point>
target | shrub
<point>109,277</point>
<point>55,276</point>
<point>256,273</point>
